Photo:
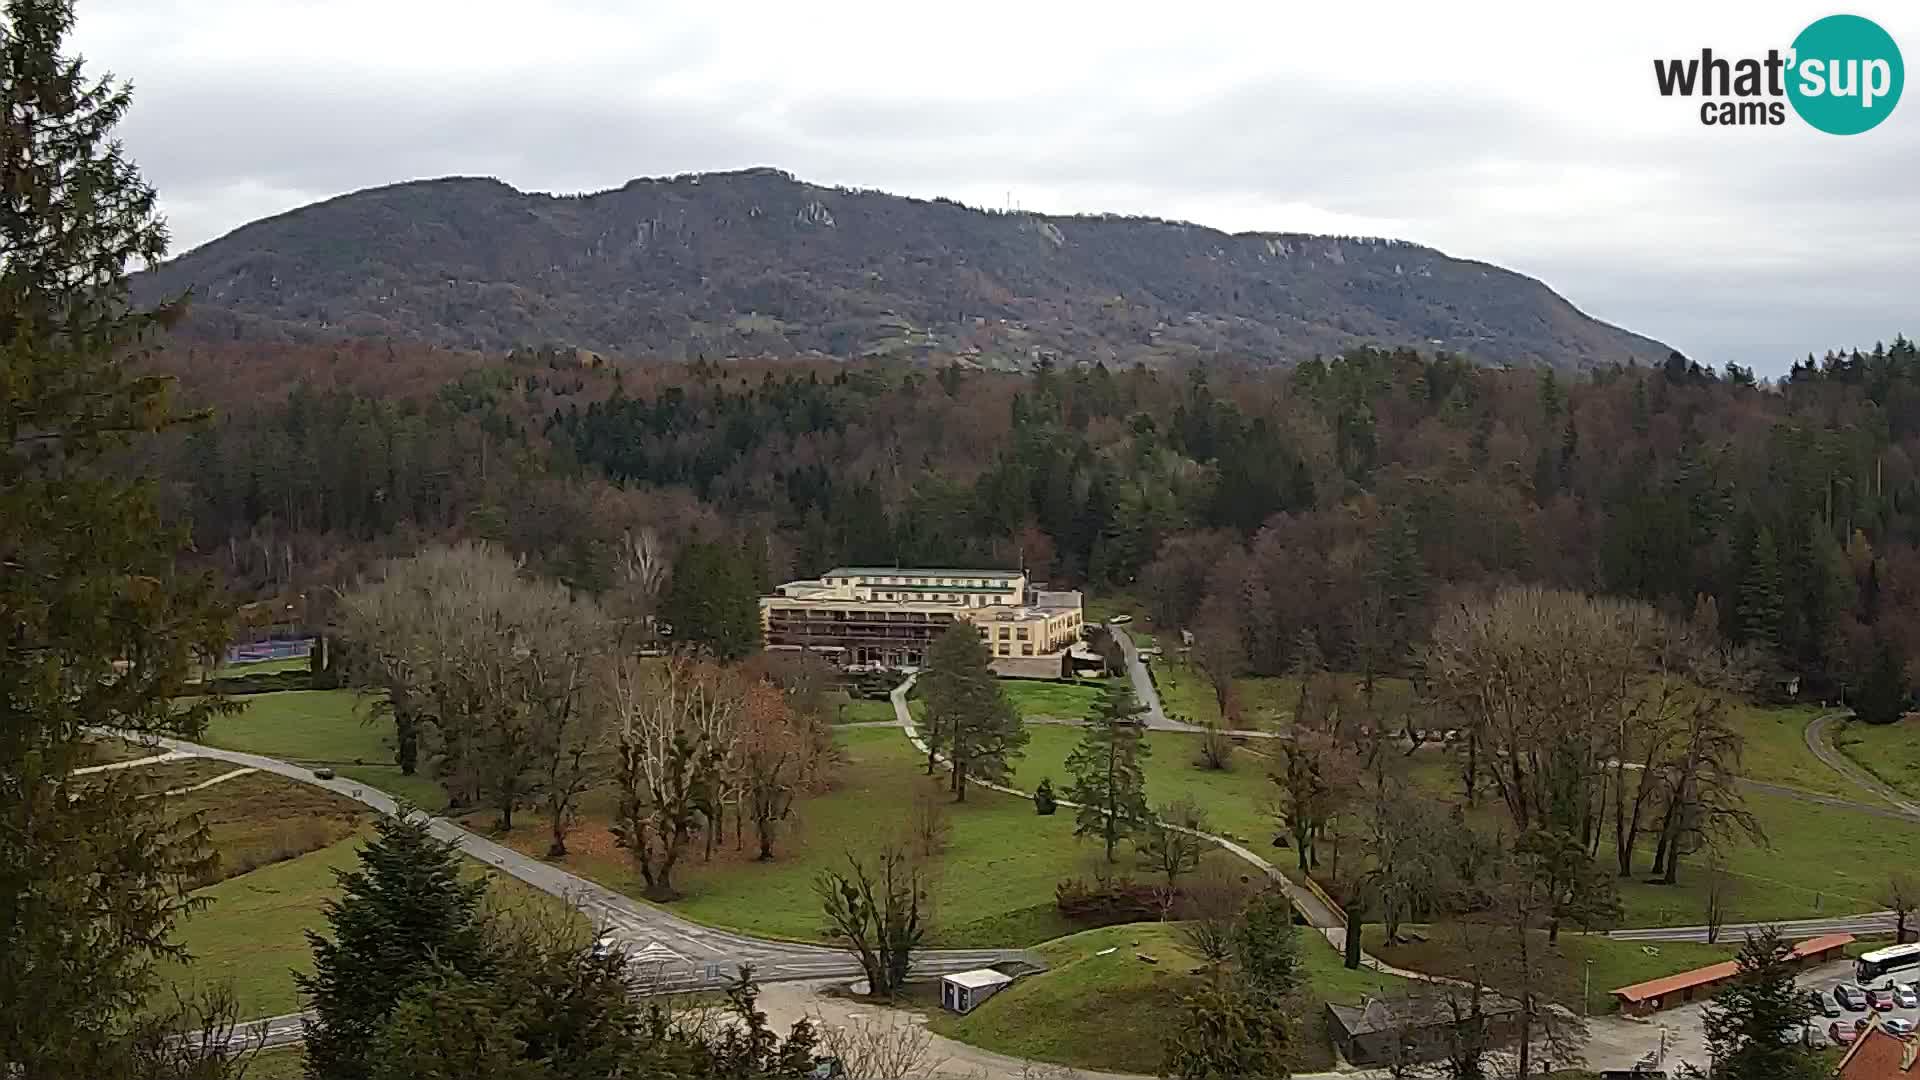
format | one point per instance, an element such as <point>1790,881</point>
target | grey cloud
<point>1754,246</point>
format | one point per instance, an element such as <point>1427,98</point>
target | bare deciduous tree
<point>1219,653</point>
<point>677,722</point>
<point>1902,896</point>
<point>875,907</point>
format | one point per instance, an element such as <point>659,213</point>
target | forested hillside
<point>1336,503</point>
<point>756,263</point>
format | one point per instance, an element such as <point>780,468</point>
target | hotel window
<point>1026,650</point>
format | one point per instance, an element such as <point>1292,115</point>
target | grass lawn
<point>252,933</point>
<point>864,710</point>
<point>1265,702</point>
<point>1088,1011</point>
<point>1776,751</point>
<point>260,819</point>
<point>1615,963</point>
<point>283,1063</point>
<point>1888,751</point>
<point>1052,700</point>
<point>1231,798</point>
<point>318,726</point>
<point>1113,1012</point>
<point>1822,861</point>
<point>327,727</point>
<point>994,883</point>
<point>263,667</point>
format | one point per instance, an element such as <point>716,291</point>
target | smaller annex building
<point>1647,998</point>
<point>888,616</point>
<point>1412,1028</point>
<point>963,991</point>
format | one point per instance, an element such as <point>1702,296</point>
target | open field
<point>284,1063</point>
<point>334,727</point>
<point>1819,860</point>
<point>1614,963</point>
<point>259,819</point>
<point>263,667</point>
<point>1776,751</point>
<point>1113,1012</point>
<point>994,881</point>
<point>1265,702</point>
<point>1888,751</point>
<point>324,727</point>
<point>252,933</point>
<point>1231,799</point>
<point>1052,700</point>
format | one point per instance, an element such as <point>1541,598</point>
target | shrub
<point>1044,802</point>
<point>1108,903</point>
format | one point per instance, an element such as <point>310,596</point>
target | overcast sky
<point>1525,134</point>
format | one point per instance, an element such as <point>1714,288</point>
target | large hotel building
<point>887,616</point>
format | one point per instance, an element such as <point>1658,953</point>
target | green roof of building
<point>914,571</point>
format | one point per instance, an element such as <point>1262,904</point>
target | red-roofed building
<point>1876,1055</point>
<point>1642,999</point>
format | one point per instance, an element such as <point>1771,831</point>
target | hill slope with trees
<point>757,263</point>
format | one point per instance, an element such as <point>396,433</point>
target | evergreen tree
<point>1884,694</point>
<point>1751,1025</point>
<point>1229,1033</point>
<point>1265,947</point>
<point>982,732</point>
<point>711,602</point>
<point>97,626</point>
<point>1108,778</point>
<point>405,916</point>
<point>1758,611</point>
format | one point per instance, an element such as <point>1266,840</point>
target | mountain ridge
<point>755,262</point>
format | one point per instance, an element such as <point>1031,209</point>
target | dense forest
<point>1331,506</point>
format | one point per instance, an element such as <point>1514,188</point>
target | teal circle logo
<point>1846,75</point>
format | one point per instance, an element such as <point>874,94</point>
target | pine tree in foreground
<point>405,914</point>
<point>98,629</point>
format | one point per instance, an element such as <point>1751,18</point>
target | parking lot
<point>1903,1018</point>
<point>1618,1043</point>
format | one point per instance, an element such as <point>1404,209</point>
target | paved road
<point>673,953</point>
<point>1149,695</point>
<point>1873,922</point>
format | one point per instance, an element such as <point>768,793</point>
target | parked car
<point>1118,620</point>
<point>1822,1004</point>
<point>1862,1023</point>
<point>1880,998</point>
<point>1849,998</point>
<point>1893,1025</point>
<point>1905,997</point>
<point>323,773</point>
<point>1841,1035</point>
